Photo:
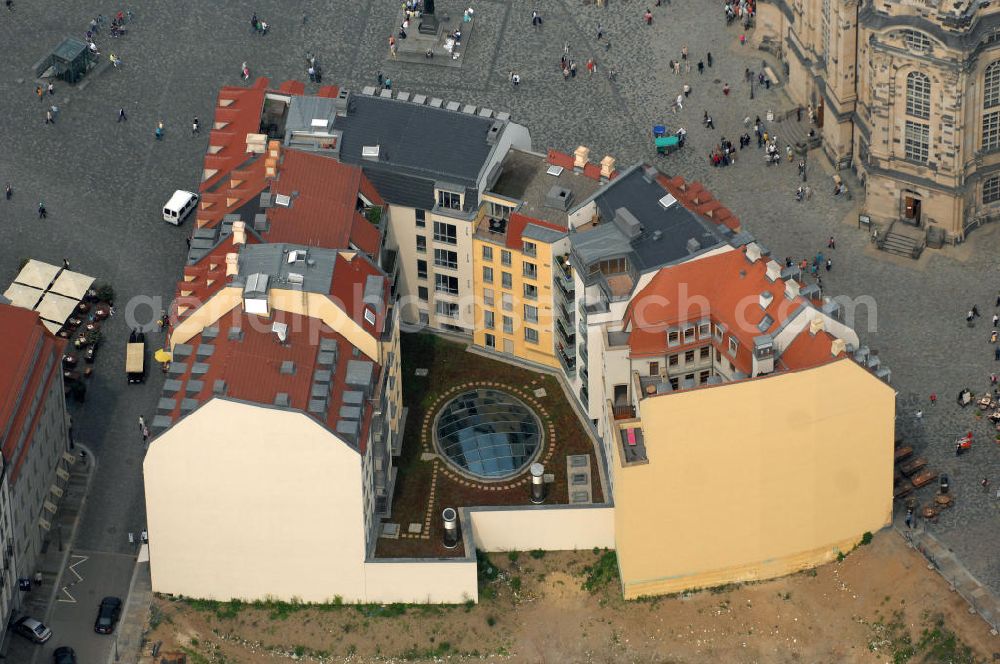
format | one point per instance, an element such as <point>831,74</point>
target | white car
<point>33,629</point>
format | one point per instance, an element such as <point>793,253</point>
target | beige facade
<point>754,479</point>
<point>907,96</point>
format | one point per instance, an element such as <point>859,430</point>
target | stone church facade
<point>905,93</point>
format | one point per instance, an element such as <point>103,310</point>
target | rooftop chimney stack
<point>607,168</point>
<point>232,264</point>
<point>792,289</point>
<point>239,233</point>
<point>753,252</point>
<point>580,157</point>
<point>815,326</point>
<point>838,346</point>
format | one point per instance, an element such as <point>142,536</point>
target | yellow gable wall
<point>755,479</point>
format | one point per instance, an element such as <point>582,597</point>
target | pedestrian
<point>515,79</point>
<point>536,19</point>
<point>969,317</point>
<point>687,90</point>
<point>48,117</point>
<point>933,398</point>
<point>909,517</point>
<point>65,263</point>
<point>8,192</point>
<point>701,70</point>
<point>975,310</point>
<point>919,415</point>
<point>829,264</point>
<point>831,244</point>
<point>38,92</point>
<point>985,483</point>
<point>312,74</point>
<point>115,60</point>
<point>121,115</point>
<point>195,127</point>
<point>684,51</point>
<point>708,58</point>
<point>52,89</point>
<point>142,423</point>
<point>44,214</point>
<point>600,36</point>
<point>743,40</point>
<point>725,89</point>
<point>187,240</point>
<point>993,336</point>
<point>159,131</point>
<point>245,70</point>
<point>392,46</point>
<point>679,103</point>
<point>709,123</point>
<point>10,5</point>
<point>648,17</point>
<point>388,83</point>
<point>572,68</point>
<point>996,354</point>
<point>998,300</point>
<point>381,81</point>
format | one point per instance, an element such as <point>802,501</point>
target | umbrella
<point>163,355</point>
<point>56,308</point>
<point>23,296</point>
<point>72,284</point>
<point>37,274</point>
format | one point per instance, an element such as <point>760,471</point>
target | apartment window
<point>718,333</point>
<point>732,368</point>
<point>991,189</point>
<point>421,218</point>
<point>530,314</point>
<point>421,269</point>
<point>705,353</point>
<point>529,270</point>
<point>489,320</point>
<point>508,325</point>
<point>450,200</point>
<point>674,384</point>
<point>487,253</point>
<point>688,334</point>
<point>672,360</point>
<point>505,257</point>
<point>445,258</point>
<point>487,275</point>
<point>917,41</point>
<point>506,280</point>
<point>422,292</point>
<point>733,346</point>
<point>530,291</point>
<point>445,233</point>
<point>991,131</point>
<point>488,297</point>
<point>690,376</point>
<point>918,95</point>
<point>654,368</point>
<point>704,331</point>
<point>507,301</point>
<point>530,249</point>
<point>423,318</point>
<point>718,355</point>
<point>825,34</point>
<point>531,335</point>
<point>445,283</point>
<point>491,341</point>
<point>449,309</point>
<point>421,244</point>
<point>673,337</point>
<point>703,377</point>
<point>688,356</point>
<point>917,141</point>
<point>499,211</point>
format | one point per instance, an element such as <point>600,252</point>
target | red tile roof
<point>348,289</point>
<point>518,222</point>
<point>590,169</point>
<point>207,277</point>
<point>699,200</point>
<point>808,350</point>
<point>324,211</point>
<point>237,114</point>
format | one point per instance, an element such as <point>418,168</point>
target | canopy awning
<point>51,327</point>
<point>56,308</point>
<point>72,284</point>
<point>37,274</point>
<point>23,296</point>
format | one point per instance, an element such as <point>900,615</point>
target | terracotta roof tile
<point>518,222</point>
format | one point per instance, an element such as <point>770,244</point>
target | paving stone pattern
<point>103,183</point>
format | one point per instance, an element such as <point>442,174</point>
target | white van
<point>179,206</point>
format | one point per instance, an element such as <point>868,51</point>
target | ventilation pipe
<point>537,483</point>
<point>450,517</point>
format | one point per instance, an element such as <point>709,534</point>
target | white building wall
<point>421,581</point>
<point>547,527</point>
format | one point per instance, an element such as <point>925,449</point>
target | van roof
<point>179,198</point>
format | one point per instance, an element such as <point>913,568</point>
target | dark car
<point>64,655</point>
<point>33,629</point>
<point>107,615</point>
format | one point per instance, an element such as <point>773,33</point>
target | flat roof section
<point>530,178</point>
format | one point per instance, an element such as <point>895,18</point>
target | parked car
<point>32,629</point>
<point>107,615</point>
<point>63,655</point>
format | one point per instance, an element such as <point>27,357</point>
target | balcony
<point>583,353</point>
<point>568,337</point>
<point>566,286</point>
<point>568,314</point>
<point>633,445</point>
<point>623,411</point>
<point>567,358</point>
<point>581,329</point>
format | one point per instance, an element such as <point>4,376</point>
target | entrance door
<point>508,346</point>
<point>911,210</point>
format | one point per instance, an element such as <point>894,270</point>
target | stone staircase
<point>900,243</point>
<point>792,132</point>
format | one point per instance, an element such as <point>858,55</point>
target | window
<point>991,189</point>
<point>732,368</point>
<point>488,297</point>
<point>674,384</point>
<point>505,257</point>
<point>673,337</point>
<point>530,249</point>
<point>689,334</point>
<point>703,377</point>
<point>718,333</point>
<point>718,355</point>
<point>487,253</point>
<point>498,211</point>
<point>491,341</point>
<point>449,309</point>
<point>507,301</point>
<point>530,314</point>
<point>445,283</point>
<point>654,368</point>
<point>704,330</point>
<point>423,318</point>
<point>506,280</point>
<point>445,233</point>
<point>918,95</point>
<point>688,356</point>
<point>733,345</point>
<point>508,324</point>
<point>421,218</point>
<point>489,320</point>
<point>487,275</point>
<point>991,86</point>
<point>690,377</point>
<point>445,258</point>
<point>450,200</point>
<point>421,244</point>
<point>826,20</point>
<point>673,360</point>
<point>422,292</point>
<point>917,41</point>
<point>705,353</point>
<point>917,141</point>
<point>531,335</point>
<point>991,130</point>
<point>530,292</point>
<point>421,269</point>
<point>529,270</point>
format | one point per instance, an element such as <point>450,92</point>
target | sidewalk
<point>39,601</point>
<point>131,629</point>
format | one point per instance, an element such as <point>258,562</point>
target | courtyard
<point>103,183</point>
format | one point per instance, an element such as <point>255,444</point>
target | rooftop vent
<point>753,252</point>
<point>693,246</point>
<point>494,132</point>
<point>791,289</point>
<point>281,399</point>
<point>370,152</point>
<point>657,234</point>
<point>627,223</point>
<point>296,255</point>
<point>284,200</point>
<point>319,123</point>
<point>281,331</point>
<point>287,368</point>
<point>295,278</point>
<point>667,201</point>
<point>554,170</point>
<point>815,326</point>
<point>558,198</point>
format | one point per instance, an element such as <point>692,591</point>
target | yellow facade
<point>523,338</point>
<point>753,479</point>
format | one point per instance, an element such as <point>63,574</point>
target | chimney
<point>239,233</point>
<point>791,289</point>
<point>765,299</point>
<point>232,264</point>
<point>838,346</point>
<point>274,149</point>
<point>581,155</point>
<point>607,168</point>
<point>773,270</point>
<point>753,252</point>
<point>815,326</point>
<point>271,167</point>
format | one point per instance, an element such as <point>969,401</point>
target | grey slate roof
<point>272,259</point>
<point>542,234</point>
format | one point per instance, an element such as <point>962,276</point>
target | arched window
<point>917,41</point>
<point>991,99</point>
<point>918,95</point>
<point>991,190</point>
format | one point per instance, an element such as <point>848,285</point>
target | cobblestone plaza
<point>103,183</point>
